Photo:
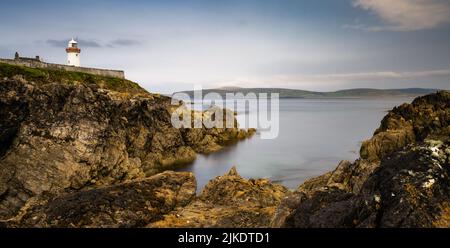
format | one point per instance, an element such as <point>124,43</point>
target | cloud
<point>124,42</point>
<point>358,77</point>
<point>81,42</point>
<point>91,43</point>
<point>88,43</point>
<point>405,15</point>
<point>57,43</point>
<point>369,76</point>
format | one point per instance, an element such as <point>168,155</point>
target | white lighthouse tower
<point>73,53</point>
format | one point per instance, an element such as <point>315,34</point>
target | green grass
<point>44,76</point>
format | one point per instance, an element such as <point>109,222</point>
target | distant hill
<point>349,93</point>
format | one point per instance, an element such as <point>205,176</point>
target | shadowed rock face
<point>132,204</point>
<point>61,137</point>
<point>401,180</point>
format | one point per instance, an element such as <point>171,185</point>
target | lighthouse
<point>73,53</point>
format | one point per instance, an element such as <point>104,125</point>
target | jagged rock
<point>131,204</point>
<point>229,201</point>
<point>408,123</point>
<point>397,134</point>
<point>338,178</point>
<point>411,188</point>
<point>58,137</point>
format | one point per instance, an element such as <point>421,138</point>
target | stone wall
<point>38,64</point>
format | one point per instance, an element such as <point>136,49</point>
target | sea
<point>314,136</point>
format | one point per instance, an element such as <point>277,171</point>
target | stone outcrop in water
<point>65,136</point>
<point>401,180</point>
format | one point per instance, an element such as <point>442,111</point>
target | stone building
<point>24,59</point>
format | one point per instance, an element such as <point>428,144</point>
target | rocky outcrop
<point>401,180</point>
<point>229,201</point>
<point>411,188</point>
<point>63,137</point>
<point>131,204</point>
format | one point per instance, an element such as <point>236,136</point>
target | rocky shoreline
<point>84,155</point>
<point>400,180</point>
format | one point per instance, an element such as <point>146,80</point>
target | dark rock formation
<point>63,137</point>
<point>229,201</point>
<point>401,180</point>
<point>132,204</point>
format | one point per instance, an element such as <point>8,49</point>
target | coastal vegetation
<point>43,76</point>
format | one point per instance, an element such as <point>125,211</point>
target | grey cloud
<point>357,77</point>
<point>124,42</point>
<point>374,75</point>
<point>57,43</point>
<point>89,43</point>
<point>92,43</point>
<point>83,43</point>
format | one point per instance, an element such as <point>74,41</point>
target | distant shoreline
<point>340,94</point>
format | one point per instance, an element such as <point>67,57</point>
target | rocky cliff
<point>62,132</point>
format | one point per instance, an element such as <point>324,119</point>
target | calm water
<point>314,136</point>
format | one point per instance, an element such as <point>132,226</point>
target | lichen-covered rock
<point>233,189</point>
<point>58,137</point>
<point>131,204</point>
<point>229,201</point>
<point>338,178</point>
<point>411,188</point>
<point>397,133</point>
<point>408,123</point>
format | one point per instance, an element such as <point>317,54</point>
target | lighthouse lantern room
<point>73,53</point>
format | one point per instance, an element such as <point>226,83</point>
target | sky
<point>168,46</point>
